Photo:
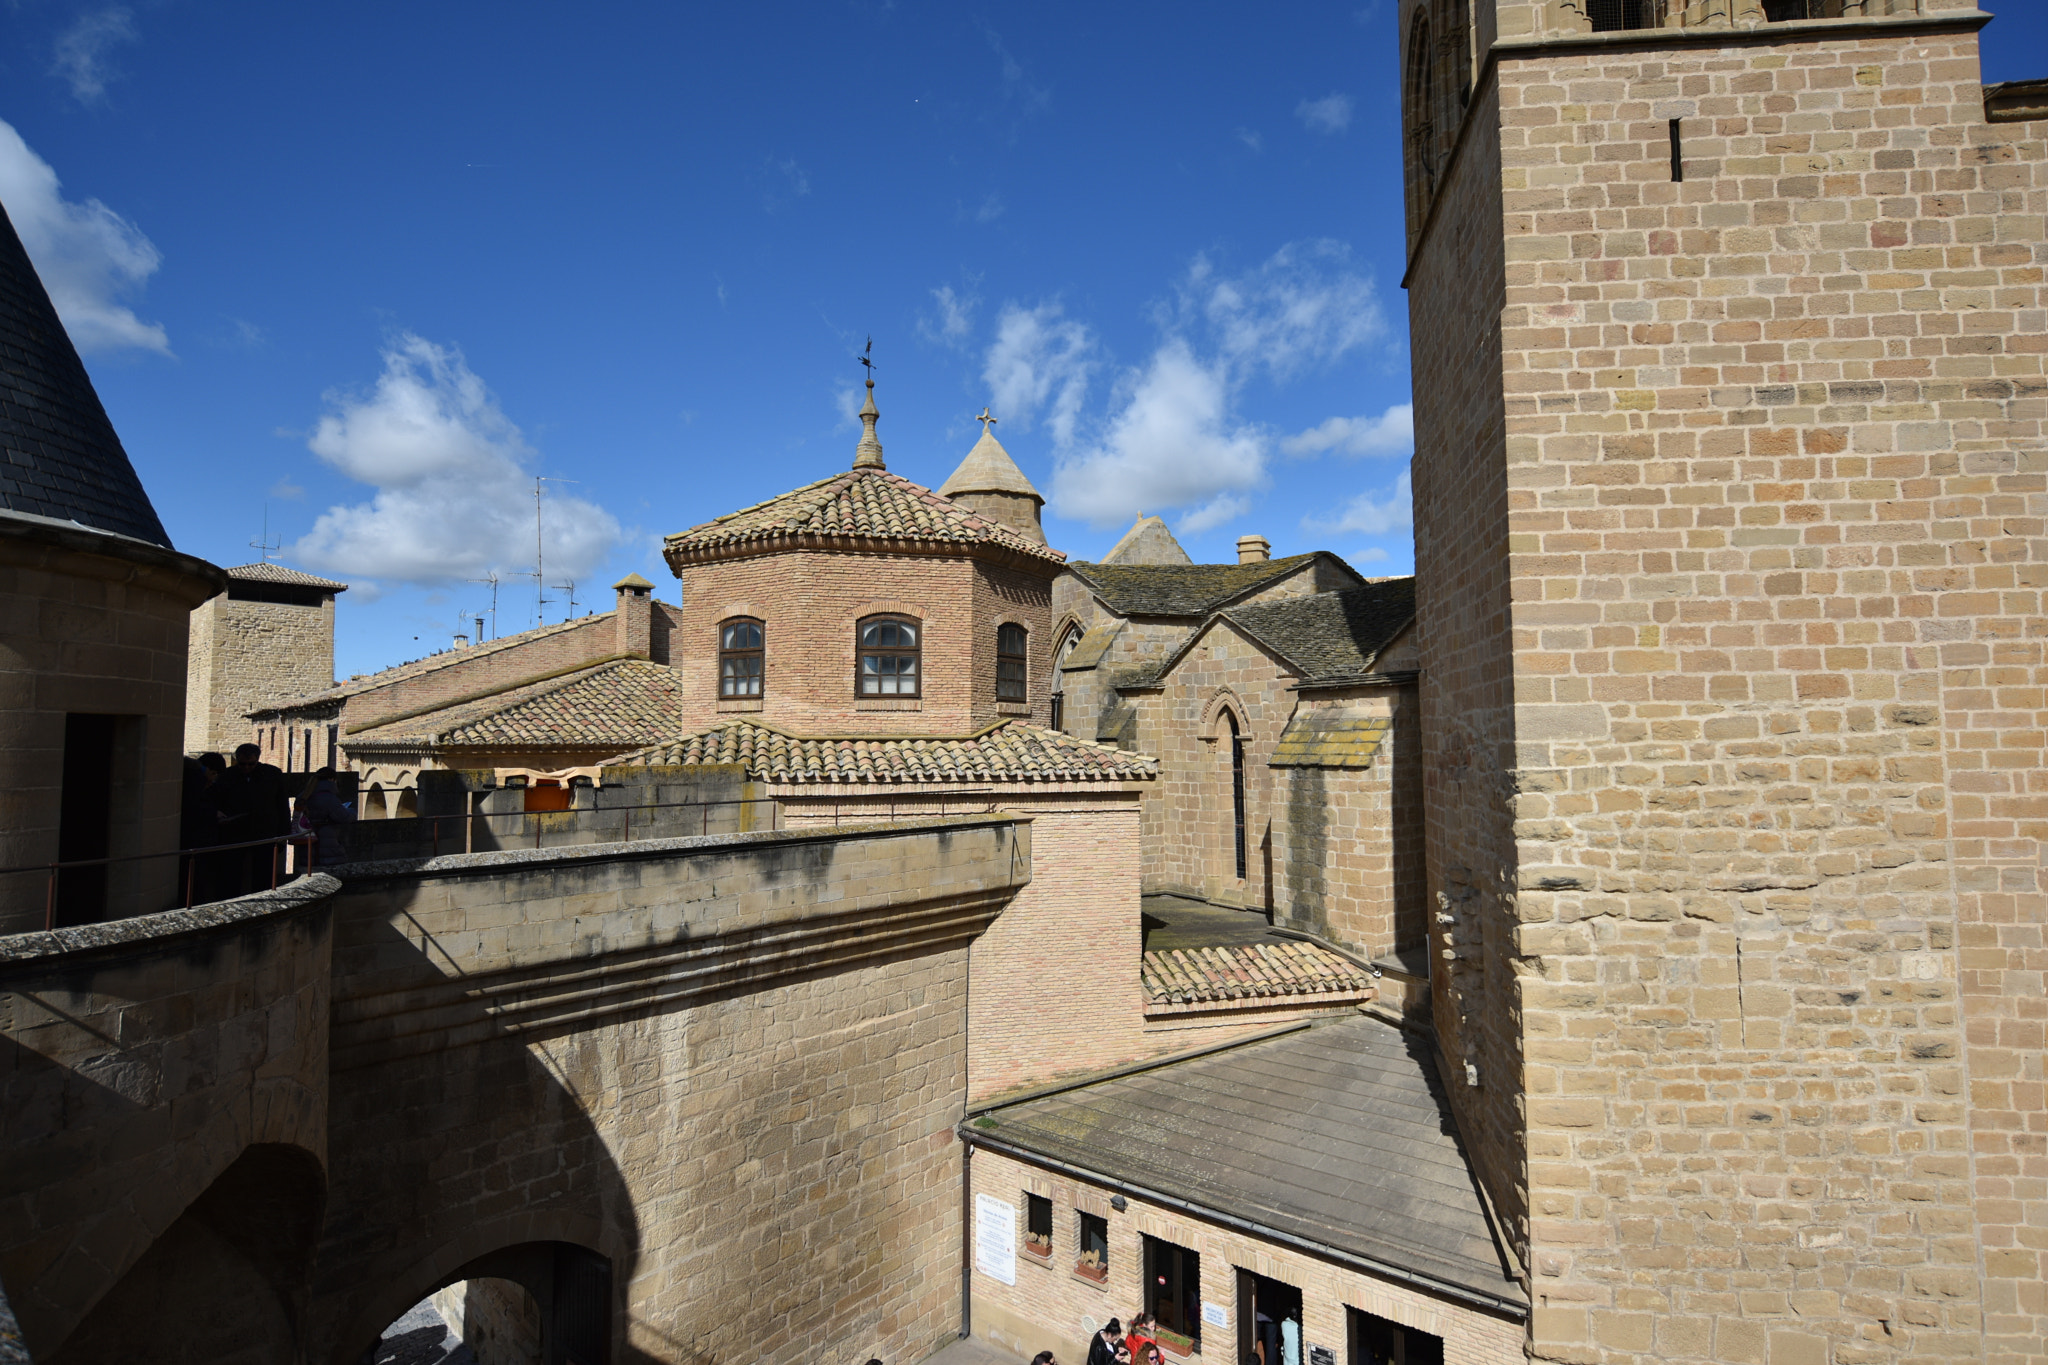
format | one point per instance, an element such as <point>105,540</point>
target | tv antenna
<point>569,586</point>
<point>263,545</point>
<point>492,580</point>
<point>540,597</point>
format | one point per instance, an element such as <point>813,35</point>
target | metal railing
<point>278,845</point>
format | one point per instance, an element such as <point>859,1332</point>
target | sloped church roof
<point>59,456</point>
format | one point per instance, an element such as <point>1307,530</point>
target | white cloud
<point>1251,139</point>
<point>1173,438</point>
<point>87,254</point>
<point>955,318</point>
<point>454,497</point>
<point>1040,361</point>
<point>81,56</point>
<point>288,490</point>
<point>1390,433</point>
<point>991,209</point>
<point>1330,114</point>
<point>1367,515</point>
<point>1017,83</point>
<point>1172,443</point>
<point>783,182</point>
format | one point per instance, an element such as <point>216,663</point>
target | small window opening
<point>1094,1237</point>
<point>1059,679</point>
<point>1038,1225</point>
<point>1173,1292</point>
<point>889,651</point>
<point>739,659</point>
<point>1376,1341</point>
<point>1611,15</point>
<point>1790,11</point>
<point>84,816</point>
<point>333,745</point>
<point>1677,157</point>
<point>1010,663</point>
<point>1237,790</point>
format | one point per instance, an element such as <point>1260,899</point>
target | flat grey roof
<point>1338,1135</point>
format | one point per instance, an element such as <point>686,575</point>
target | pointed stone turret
<point>868,454</point>
<point>989,481</point>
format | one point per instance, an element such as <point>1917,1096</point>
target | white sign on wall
<point>995,1238</point>
<point>1215,1315</point>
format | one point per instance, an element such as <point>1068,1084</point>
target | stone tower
<point>267,639</point>
<point>1729,499</point>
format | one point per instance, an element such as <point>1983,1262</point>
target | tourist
<point>323,814</point>
<point>1044,1358</point>
<point>1141,1339</point>
<point>1102,1350</point>
<point>252,795</point>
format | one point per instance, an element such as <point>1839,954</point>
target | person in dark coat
<point>322,811</point>
<point>253,796</point>
<point>1102,1350</point>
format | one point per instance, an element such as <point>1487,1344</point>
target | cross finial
<point>986,420</point>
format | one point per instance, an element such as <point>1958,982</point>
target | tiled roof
<point>1090,648</point>
<point>1331,634</point>
<point>59,456</point>
<point>1009,752</point>
<point>447,658</point>
<point>617,706</point>
<point>278,573</point>
<point>1330,737</point>
<point>1271,972</point>
<point>1183,589</point>
<point>1338,1134</point>
<point>865,504</point>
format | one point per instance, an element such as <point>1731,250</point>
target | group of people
<point>245,804</point>
<point>1114,1346</point>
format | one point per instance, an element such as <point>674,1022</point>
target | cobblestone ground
<point>421,1338</point>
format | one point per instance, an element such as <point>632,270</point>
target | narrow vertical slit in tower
<point>1677,161</point>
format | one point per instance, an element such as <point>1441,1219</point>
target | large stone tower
<point>269,638</point>
<point>1728,322</point>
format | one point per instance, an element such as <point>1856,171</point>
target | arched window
<point>1609,15</point>
<point>888,657</point>
<point>1010,663</point>
<point>1422,104</point>
<point>1059,679</point>
<point>1237,790</point>
<point>739,658</point>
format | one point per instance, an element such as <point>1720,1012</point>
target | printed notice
<point>1321,1355</point>
<point>1215,1315</point>
<point>995,1238</point>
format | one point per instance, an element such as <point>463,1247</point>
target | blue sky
<point>367,270</point>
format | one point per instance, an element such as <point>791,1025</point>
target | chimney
<point>1253,550</point>
<point>635,617</point>
<point>461,641</point>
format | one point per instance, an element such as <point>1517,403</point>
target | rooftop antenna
<point>491,579</point>
<point>569,586</point>
<point>268,550</point>
<point>540,597</point>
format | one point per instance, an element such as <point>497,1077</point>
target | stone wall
<point>1053,1308</point>
<point>728,1065</point>
<point>91,623</point>
<point>163,1125</point>
<point>810,605</point>
<point>247,655</point>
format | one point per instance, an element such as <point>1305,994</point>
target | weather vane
<point>863,358</point>
<point>986,420</point>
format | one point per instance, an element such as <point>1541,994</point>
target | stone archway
<point>568,1286</point>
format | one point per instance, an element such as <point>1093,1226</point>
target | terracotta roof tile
<point>278,573</point>
<point>1009,752</point>
<point>618,706</point>
<point>1273,972</point>
<point>868,504</point>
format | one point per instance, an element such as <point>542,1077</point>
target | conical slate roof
<point>988,468</point>
<point>59,456</point>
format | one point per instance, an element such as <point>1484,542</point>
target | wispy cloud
<point>1037,368</point>
<point>285,490</point>
<point>89,256</point>
<point>1171,437</point>
<point>783,181</point>
<point>991,209</point>
<point>1390,433</point>
<point>953,321</point>
<point>1369,514</point>
<point>1018,86</point>
<point>453,480</point>
<point>1251,139</point>
<point>1330,114</point>
<point>81,53</point>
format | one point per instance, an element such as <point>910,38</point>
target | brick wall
<point>1771,475</point>
<point>810,605</point>
<point>1052,1308</point>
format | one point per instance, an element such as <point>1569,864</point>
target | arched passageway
<point>537,1303</point>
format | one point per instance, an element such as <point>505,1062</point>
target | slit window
<point>739,659</point>
<point>1038,1225</point>
<point>1010,663</point>
<point>890,648</point>
<point>1093,1260</point>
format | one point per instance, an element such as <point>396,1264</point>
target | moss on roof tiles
<point>1183,589</point>
<point>1330,737</point>
<point>1331,634</point>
